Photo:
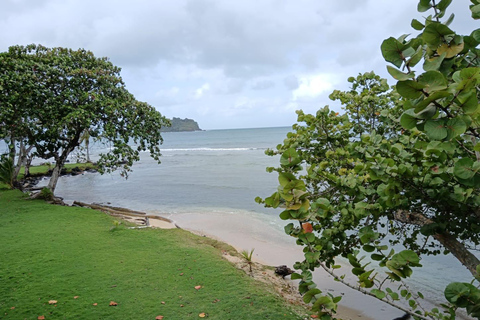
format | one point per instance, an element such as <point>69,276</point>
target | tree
<point>399,167</point>
<point>72,92</point>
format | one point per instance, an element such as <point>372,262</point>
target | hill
<point>182,125</point>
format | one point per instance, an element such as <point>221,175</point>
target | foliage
<point>248,257</point>
<point>400,167</point>
<point>6,171</point>
<point>67,254</point>
<point>46,194</point>
<point>51,96</point>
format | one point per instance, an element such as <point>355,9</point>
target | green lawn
<point>43,169</point>
<point>73,256</point>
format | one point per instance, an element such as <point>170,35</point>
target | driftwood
<point>122,212</point>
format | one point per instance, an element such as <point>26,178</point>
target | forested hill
<point>182,125</point>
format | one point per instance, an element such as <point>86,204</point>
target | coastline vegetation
<point>68,262</point>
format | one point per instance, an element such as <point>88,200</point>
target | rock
<point>283,271</point>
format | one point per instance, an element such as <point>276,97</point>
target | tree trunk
<point>59,163</point>
<point>22,159</point>
<point>450,243</point>
<point>12,150</point>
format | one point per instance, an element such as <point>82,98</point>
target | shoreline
<point>265,255</point>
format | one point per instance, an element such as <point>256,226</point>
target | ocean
<point>207,182</point>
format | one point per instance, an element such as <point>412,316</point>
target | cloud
<point>313,86</point>
<point>263,85</point>
<point>291,82</point>
<point>198,58</point>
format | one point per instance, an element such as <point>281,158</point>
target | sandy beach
<point>275,248</point>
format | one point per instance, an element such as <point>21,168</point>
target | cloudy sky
<point>224,63</point>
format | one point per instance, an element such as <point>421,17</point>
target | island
<point>182,125</point>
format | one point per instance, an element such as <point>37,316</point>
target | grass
<point>81,257</point>
<point>41,170</point>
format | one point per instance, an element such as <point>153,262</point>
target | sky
<point>224,63</point>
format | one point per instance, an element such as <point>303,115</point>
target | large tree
<point>55,95</point>
<point>399,167</point>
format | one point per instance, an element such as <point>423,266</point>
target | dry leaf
<point>202,315</point>
<point>95,304</point>
<point>113,304</point>
<point>163,302</point>
<point>307,227</point>
<point>76,297</point>
<point>181,274</point>
<point>314,316</point>
<point>198,287</point>
<point>12,308</point>
<point>159,318</point>
<point>41,318</point>
<point>181,306</point>
<point>52,301</point>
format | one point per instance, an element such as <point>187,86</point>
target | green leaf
<point>424,5</point>
<point>434,33</point>
<point>412,62</point>
<point>435,129</point>
<point>410,89</point>
<point>433,81</point>
<point>325,302</point>
<point>457,293</point>
<point>376,257</point>
<point>296,276</point>
<point>397,74</point>
<point>455,127</point>
<point>433,63</point>
<point>463,168</point>
<point>392,51</point>
<point>378,293</point>
<point>417,25</point>
<point>407,120</point>
<point>290,158</point>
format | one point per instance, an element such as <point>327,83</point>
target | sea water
<point>213,175</point>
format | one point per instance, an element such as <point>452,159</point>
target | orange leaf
<point>307,227</point>
<point>159,318</point>
<point>198,287</point>
<point>12,308</point>
<point>52,301</point>
<point>202,315</point>
<point>113,304</point>
<point>41,318</point>
<point>95,304</point>
<point>314,316</point>
<point>76,297</point>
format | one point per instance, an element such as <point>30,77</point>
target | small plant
<point>46,194</point>
<point>7,171</point>
<point>248,257</point>
<point>116,225</point>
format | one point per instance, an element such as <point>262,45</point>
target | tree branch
<point>457,248</point>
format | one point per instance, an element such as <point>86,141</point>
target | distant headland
<point>182,125</point>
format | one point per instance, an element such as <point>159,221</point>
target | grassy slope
<point>56,253</point>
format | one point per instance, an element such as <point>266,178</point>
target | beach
<point>207,183</point>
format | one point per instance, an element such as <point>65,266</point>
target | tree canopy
<point>399,167</point>
<point>50,96</point>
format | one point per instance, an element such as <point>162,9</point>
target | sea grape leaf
<point>463,168</point>
<point>392,51</point>
<point>410,89</point>
<point>399,75</point>
<point>435,129</point>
